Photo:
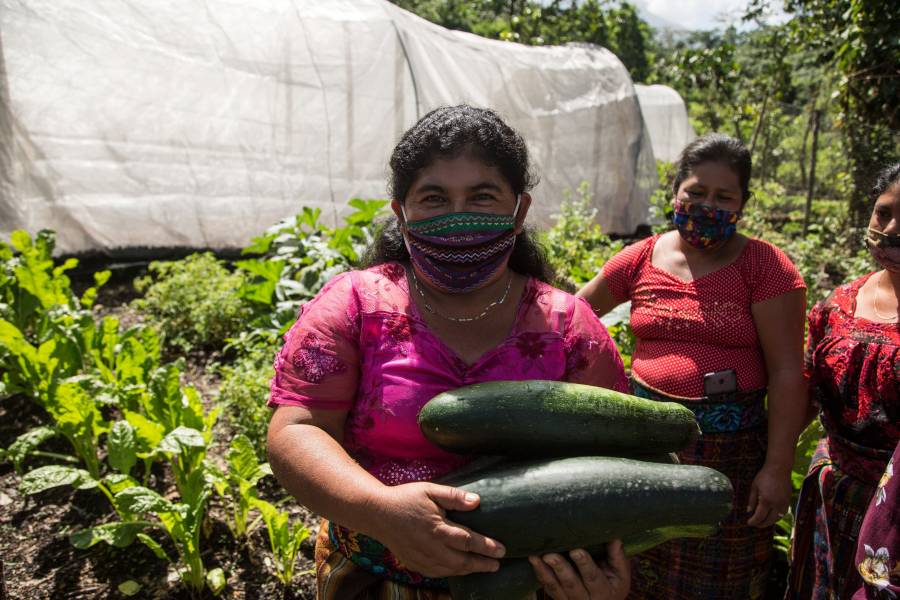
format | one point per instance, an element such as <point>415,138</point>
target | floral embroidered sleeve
<point>878,548</point>
<point>318,366</point>
<point>591,355</point>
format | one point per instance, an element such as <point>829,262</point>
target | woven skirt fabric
<point>732,564</point>
<point>339,578</point>
<point>833,500</point>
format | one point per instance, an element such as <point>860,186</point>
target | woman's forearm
<point>316,470</point>
<point>789,414</point>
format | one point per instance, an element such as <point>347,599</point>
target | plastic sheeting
<point>199,123</point>
<point>666,119</point>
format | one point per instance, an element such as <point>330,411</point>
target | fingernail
<point>470,497</point>
<point>577,554</point>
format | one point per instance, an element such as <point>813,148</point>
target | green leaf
<point>154,546</point>
<point>215,580</point>
<point>148,433</point>
<point>242,462</point>
<point>122,446</point>
<point>119,534</point>
<point>19,450</point>
<point>179,438</point>
<point>129,587</point>
<point>139,499</point>
<point>51,476</point>
<point>116,482</point>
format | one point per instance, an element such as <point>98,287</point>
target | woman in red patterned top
<point>853,365</point>
<point>718,319</point>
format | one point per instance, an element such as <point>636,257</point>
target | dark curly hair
<point>886,178</point>
<point>449,132</point>
<point>716,147</point>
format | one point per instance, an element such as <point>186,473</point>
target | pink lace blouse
<point>361,346</point>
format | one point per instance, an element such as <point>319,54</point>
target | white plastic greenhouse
<point>199,123</point>
<point>666,119</point>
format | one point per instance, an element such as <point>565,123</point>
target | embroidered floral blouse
<point>362,346</point>
<point>853,366</point>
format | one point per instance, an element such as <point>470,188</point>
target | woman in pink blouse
<point>457,294</point>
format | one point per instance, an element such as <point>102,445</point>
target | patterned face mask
<point>458,252</point>
<point>885,248</point>
<point>704,226</point>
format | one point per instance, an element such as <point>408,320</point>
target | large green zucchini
<point>515,580</point>
<point>551,418</point>
<point>540,506</point>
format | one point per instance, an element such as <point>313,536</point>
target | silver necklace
<point>875,302</point>
<point>479,316</point>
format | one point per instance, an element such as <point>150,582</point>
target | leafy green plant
<point>174,426</point>
<point>297,256</point>
<point>576,246</point>
<point>239,484</point>
<point>194,302</point>
<point>32,286</point>
<point>284,539</point>
<point>76,416</point>
<point>245,385</point>
<point>181,521</point>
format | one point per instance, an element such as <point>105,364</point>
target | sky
<point>695,14</point>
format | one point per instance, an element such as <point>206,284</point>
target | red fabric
<point>853,366</point>
<point>878,550</point>
<point>685,329</point>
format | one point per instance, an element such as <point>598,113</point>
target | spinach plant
<point>284,539</point>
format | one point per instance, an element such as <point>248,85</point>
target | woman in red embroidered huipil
<point>853,365</point>
<point>707,300</point>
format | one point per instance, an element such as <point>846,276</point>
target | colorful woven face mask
<point>885,248</point>
<point>704,226</point>
<point>458,252</point>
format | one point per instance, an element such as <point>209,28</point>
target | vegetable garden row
<point>111,420</point>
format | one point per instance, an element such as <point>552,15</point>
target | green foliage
<point>284,539</point>
<point>51,476</point>
<point>76,416</point>
<point>33,288</point>
<point>239,484</point>
<point>297,256</point>
<point>245,386</point>
<point>617,27</point>
<point>193,302</point>
<point>182,521</point>
<point>777,218</point>
<point>576,246</point>
<point>26,444</point>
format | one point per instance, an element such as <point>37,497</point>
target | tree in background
<point>859,40</point>
<point>615,26</point>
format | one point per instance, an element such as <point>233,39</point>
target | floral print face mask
<point>885,248</point>
<point>704,226</point>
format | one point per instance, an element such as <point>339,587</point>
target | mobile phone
<point>720,382</point>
